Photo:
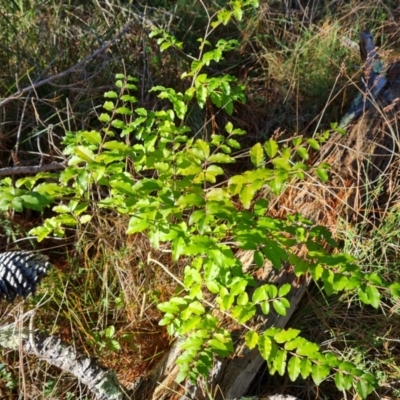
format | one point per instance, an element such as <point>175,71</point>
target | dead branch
<point>51,78</point>
<point>33,169</point>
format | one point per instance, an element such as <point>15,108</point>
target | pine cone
<point>20,272</point>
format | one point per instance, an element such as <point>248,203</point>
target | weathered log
<point>100,381</point>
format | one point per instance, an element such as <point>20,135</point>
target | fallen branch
<point>33,169</point>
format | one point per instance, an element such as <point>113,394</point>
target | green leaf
<point>274,253</point>
<point>190,200</point>
<point>246,195</point>
<point>251,339</point>
<point>395,290</point>
<point>257,155</point>
<point>168,307</point>
<point>319,372</point>
<point>244,313</point>
<point>221,345</point>
<point>165,46</point>
<point>294,368</point>
<point>213,287</point>
<point>114,345</point>
<point>264,346</point>
<point>307,349</point>
<point>284,289</point>
<point>282,163</point>
<point>190,324</point>
<point>265,307</point>
<point>221,158</point>
<point>137,224</point>
<point>280,361</point>
<point>84,219</point>
<point>363,295</point>
<point>92,137</point>
<point>279,307</point>
<point>260,294</point>
<point>111,94</point>
<point>314,144</point>
<point>34,201</point>
<point>110,331</point>
<point>224,16</point>
<point>178,247</point>
<point>258,258</point>
<point>374,296</point>
<point>239,286</point>
<point>295,343</point>
<point>347,366</point>
<point>104,117</point>
<point>243,299</point>
<point>84,153</point>
<point>286,335</point>
<point>201,95</point>
<point>229,127</point>
<point>108,105</point>
<point>271,148</point>
<point>302,152</point>
<point>203,147</point>
<point>322,174</point>
<point>196,308</point>
<point>340,381</point>
<point>305,367</point>
<point>238,13</point>
<point>363,388</point>
<point>190,93</point>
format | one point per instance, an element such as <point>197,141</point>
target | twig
<point>36,85</point>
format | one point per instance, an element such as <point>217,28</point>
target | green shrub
<point>172,183</point>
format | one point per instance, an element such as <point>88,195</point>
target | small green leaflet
<point>294,368</point>
<point>221,345</point>
<point>305,367</point>
<point>302,152</point>
<point>286,335</point>
<point>322,174</point>
<point>258,258</point>
<point>251,339</point>
<point>373,296</point>
<point>319,372</point>
<point>246,195</point>
<point>244,313</point>
<point>280,361</point>
<point>136,225</point>
<point>84,153</point>
<point>307,349</point>
<point>343,381</point>
<point>314,144</point>
<point>271,148</point>
<point>265,346</point>
<point>279,307</point>
<point>257,155</point>
<point>111,94</point>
